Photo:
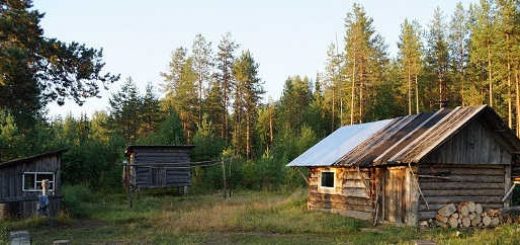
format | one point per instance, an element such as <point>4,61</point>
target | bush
<point>75,198</point>
<point>4,233</point>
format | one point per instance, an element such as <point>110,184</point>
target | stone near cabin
<point>486,220</point>
<point>495,222</point>
<point>441,218</point>
<point>447,210</point>
<point>476,220</point>
<point>463,209</point>
<point>472,207</point>
<point>478,208</point>
<point>493,212</point>
<point>466,222</point>
<point>453,222</point>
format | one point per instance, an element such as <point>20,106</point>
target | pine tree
<point>181,99</point>
<point>365,59</point>
<point>333,84</point>
<point>202,66</point>
<point>459,53</point>
<point>173,75</point>
<point>507,20</point>
<point>224,76</point>
<point>437,56</point>
<point>37,70</point>
<point>410,58</point>
<point>482,45</point>
<point>247,97</point>
<point>215,108</point>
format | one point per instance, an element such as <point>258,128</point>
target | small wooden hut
<point>20,184</point>
<point>158,166</point>
<point>403,170</point>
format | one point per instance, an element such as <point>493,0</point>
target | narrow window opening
<point>327,179</point>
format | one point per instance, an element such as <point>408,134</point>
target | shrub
<point>75,198</point>
<point>4,233</point>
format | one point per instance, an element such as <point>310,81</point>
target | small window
<point>327,179</point>
<point>32,181</point>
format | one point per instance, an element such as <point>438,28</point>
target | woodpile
<point>466,215</point>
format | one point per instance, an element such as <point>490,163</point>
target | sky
<point>286,38</point>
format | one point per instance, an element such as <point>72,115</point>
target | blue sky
<point>287,37</point>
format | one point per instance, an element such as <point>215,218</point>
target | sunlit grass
<point>247,217</point>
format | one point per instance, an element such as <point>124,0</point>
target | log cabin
<point>21,184</point>
<point>402,170</point>
<point>158,166</point>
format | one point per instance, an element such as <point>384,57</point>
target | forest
<point>212,96</point>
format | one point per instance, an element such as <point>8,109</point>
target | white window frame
<point>38,183</point>
<point>328,188</point>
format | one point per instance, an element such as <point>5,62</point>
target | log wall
<point>442,184</point>
<point>14,202</point>
<point>351,195</point>
<point>161,167</point>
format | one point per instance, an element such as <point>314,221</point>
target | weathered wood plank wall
<point>351,195</point>
<point>19,203</point>
<point>162,167</point>
<point>475,144</point>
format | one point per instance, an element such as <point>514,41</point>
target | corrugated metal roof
<point>405,139</point>
<point>329,150</point>
<point>365,153</point>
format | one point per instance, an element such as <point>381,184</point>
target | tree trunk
<point>361,84</point>
<point>517,85</point>
<point>490,77</point>
<point>509,99</point>
<point>441,101</point>
<point>248,136</point>
<point>270,125</point>
<point>353,92</point>
<point>332,126</point>
<point>200,102</point>
<point>416,94</point>
<point>409,92</point>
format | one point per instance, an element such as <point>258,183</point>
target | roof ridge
<point>378,159</point>
<point>446,134</point>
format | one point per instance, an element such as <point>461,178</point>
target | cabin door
<point>394,195</point>
<point>159,177</point>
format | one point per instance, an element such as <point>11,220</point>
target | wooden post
<point>224,182</point>
<point>128,185</point>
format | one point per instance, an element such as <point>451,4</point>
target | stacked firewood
<point>467,214</point>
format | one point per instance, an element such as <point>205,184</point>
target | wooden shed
<point>20,184</point>
<point>403,170</point>
<point>158,166</point>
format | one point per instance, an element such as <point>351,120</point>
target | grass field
<point>245,218</point>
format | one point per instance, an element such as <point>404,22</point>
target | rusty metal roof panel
<point>365,154</point>
<point>426,122</point>
<point>401,140</point>
<point>434,136</point>
<point>332,148</point>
